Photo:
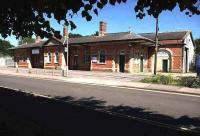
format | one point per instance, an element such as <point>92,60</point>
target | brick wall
<point>20,56</point>
<point>176,57</point>
<point>53,50</point>
<point>113,52</point>
<point>79,51</point>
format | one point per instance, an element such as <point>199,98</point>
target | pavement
<point>110,79</point>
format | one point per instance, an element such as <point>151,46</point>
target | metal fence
<point>49,72</point>
<point>6,61</point>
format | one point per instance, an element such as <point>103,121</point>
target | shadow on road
<point>184,121</point>
<point>23,114</point>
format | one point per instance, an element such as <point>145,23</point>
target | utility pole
<point>156,47</point>
<point>67,64</point>
<point>66,50</point>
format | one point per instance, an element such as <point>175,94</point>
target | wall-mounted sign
<point>94,59</point>
<point>46,59</point>
<point>66,49</point>
<point>35,51</point>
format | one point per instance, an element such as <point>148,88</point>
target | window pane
<point>102,57</point>
<point>49,55</point>
<point>57,57</point>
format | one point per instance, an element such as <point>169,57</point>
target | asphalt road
<point>26,115</point>
<point>140,102</point>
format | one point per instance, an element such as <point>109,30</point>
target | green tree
<point>71,35</point>
<point>95,34</point>
<point>31,17</point>
<point>197,43</point>
<point>26,40</point>
<point>4,48</point>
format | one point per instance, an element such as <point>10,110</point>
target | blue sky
<point>120,17</point>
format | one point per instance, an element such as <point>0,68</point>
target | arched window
<point>56,58</point>
<point>49,57</point>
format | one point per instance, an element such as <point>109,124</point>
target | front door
<point>121,63</point>
<point>36,61</point>
<point>141,64</point>
<point>165,65</point>
<point>75,66</point>
<point>186,60</point>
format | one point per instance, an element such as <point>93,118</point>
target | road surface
<point>172,105</point>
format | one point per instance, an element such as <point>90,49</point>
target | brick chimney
<point>38,39</point>
<point>102,28</point>
<point>65,31</point>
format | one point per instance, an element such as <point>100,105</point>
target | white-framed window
<point>102,57</point>
<point>49,57</point>
<point>56,57</point>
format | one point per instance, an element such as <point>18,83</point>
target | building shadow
<point>24,114</point>
<point>137,112</point>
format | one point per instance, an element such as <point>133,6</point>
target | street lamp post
<point>67,64</point>
<point>66,50</point>
<point>156,47</point>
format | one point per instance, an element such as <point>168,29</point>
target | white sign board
<point>66,49</point>
<point>46,59</point>
<point>94,59</point>
<point>35,51</point>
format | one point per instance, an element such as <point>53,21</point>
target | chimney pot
<point>38,39</point>
<point>65,31</point>
<point>102,28</point>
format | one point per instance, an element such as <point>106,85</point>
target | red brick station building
<point>114,52</point>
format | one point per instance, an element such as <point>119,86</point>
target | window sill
<point>101,63</point>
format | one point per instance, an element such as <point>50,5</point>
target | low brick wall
<point>52,72</point>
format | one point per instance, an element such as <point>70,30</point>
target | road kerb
<point>109,85</point>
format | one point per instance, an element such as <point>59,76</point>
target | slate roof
<point>111,37</point>
<point>29,45</point>
<point>166,35</point>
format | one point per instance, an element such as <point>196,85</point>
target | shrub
<point>166,80</point>
<point>159,79</point>
<point>193,82</point>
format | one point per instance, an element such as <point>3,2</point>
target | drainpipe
<point>183,58</point>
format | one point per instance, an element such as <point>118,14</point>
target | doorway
<point>186,60</point>
<point>165,65</point>
<point>121,63</point>
<point>35,61</point>
<point>76,62</point>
